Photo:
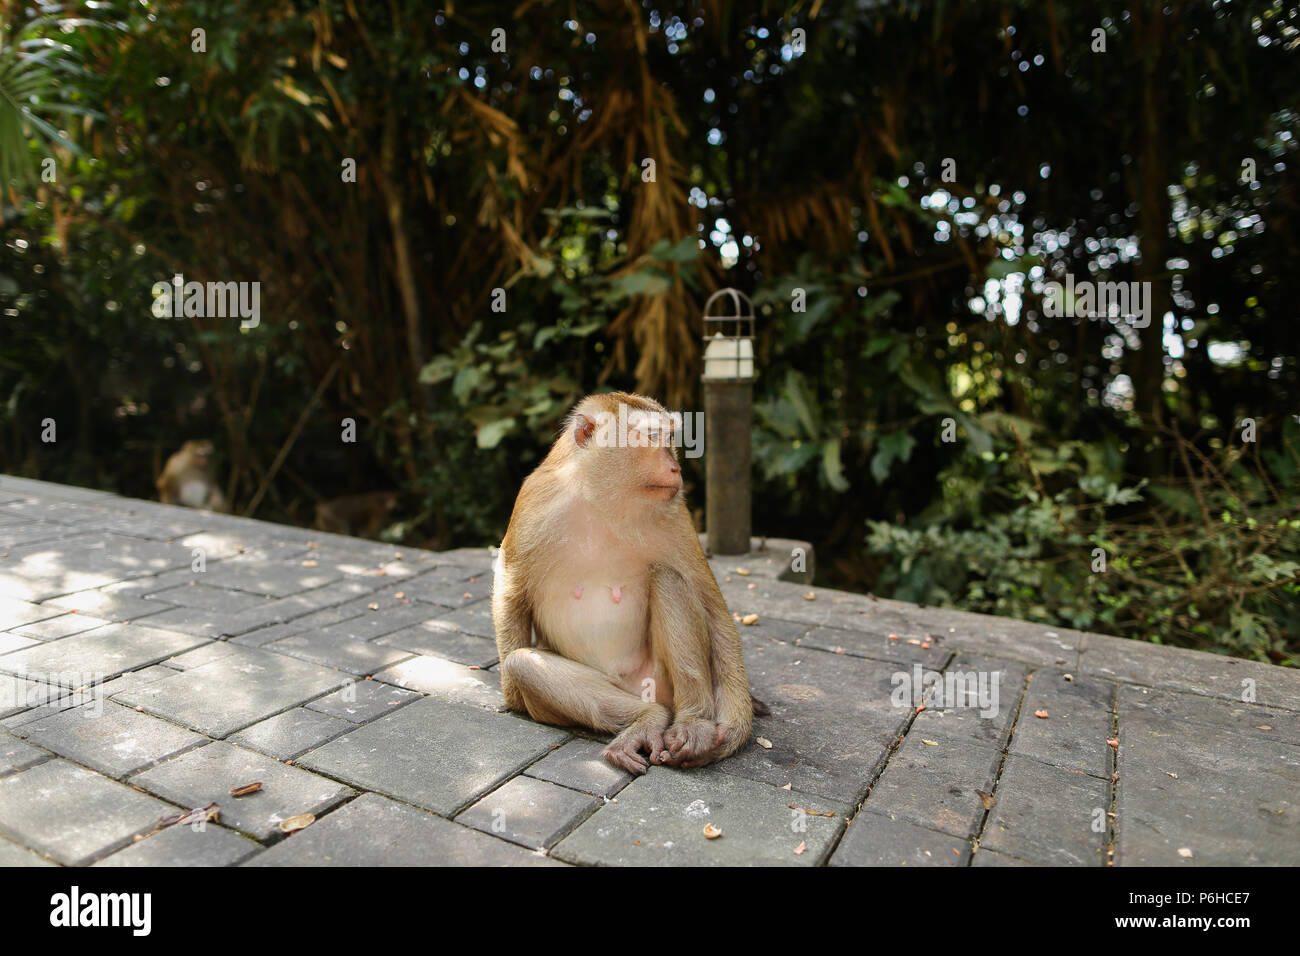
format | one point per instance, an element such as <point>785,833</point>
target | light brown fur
<point>190,478</point>
<point>633,637</point>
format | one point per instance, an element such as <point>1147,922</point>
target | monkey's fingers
<point>655,744</point>
<point>625,757</point>
<point>690,742</point>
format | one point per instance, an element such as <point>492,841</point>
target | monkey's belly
<point>602,625</point>
<point>194,494</point>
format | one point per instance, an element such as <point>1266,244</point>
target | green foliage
<point>1217,567</point>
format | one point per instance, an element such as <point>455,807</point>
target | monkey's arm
<point>735,713</point>
<point>679,636</point>
<point>164,485</point>
<point>512,619</point>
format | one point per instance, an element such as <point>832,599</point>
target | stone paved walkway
<point>356,681</point>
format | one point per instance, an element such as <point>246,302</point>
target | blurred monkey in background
<point>190,478</point>
<point>365,515</point>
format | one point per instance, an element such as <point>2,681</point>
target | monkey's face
<point>201,450</point>
<point>658,473</point>
<point>628,456</point>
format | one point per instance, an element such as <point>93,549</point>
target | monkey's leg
<point>679,635</point>
<point>556,690</point>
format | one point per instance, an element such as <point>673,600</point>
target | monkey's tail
<point>760,709</point>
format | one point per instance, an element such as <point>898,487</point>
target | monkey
<point>601,562</point>
<point>364,515</point>
<point>190,478</point>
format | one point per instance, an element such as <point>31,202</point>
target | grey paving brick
<point>936,785</point>
<point>14,642</point>
<point>435,754</point>
<point>46,700</point>
<point>1048,815</point>
<point>16,755</point>
<point>372,624</point>
<point>56,627</point>
<point>875,839</point>
<point>218,545</point>
<point>138,678</point>
<point>879,647</point>
<point>448,587</point>
<point>312,621</point>
<point>187,620</point>
<point>14,613</point>
<point>198,594</point>
<point>831,724</point>
<point>32,488</point>
<point>474,620</point>
<point>533,813</point>
<point>110,738</point>
<point>23,534</point>
<point>111,603</point>
<point>40,571</point>
<point>448,681</point>
<point>978,699</point>
<point>1195,672</point>
<point>105,651</point>
<point>17,695</point>
<point>369,560</point>
<point>186,846</point>
<point>207,775</point>
<point>659,820</point>
<point>1028,643</point>
<point>43,700</point>
<point>473,558</point>
<point>233,692</point>
<point>373,830</point>
<point>984,857</point>
<point>1251,720</point>
<point>1079,721</point>
<point>294,732</point>
<point>138,587</point>
<point>277,578</point>
<point>13,855</point>
<point>773,628</point>
<point>434,639</point>
<point>332,648</point>
<point>579,765</point>
<point>71,814</point>
<point>785,600</point>
<point>203,654</point>
<point>1228,798</point>
<point>363,701</point>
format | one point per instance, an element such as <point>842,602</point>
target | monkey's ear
<point>583,428</point>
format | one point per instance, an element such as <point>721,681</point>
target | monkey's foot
<point>690,743</point>
<point>624,751</point>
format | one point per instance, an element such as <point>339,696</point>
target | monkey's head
<point>622,445</point>
<point>201,448</point>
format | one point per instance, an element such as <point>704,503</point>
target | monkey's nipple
<point>616,593</point>
<point>577,593</point>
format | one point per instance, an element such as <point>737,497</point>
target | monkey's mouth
<point>667,492</point>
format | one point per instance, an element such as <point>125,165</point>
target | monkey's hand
<point>624,751</point>
<point>692,743</point>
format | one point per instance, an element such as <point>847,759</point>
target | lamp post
<point>728,413</point>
